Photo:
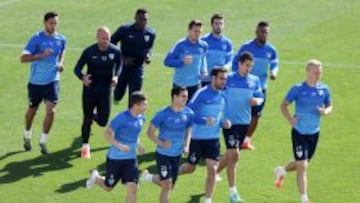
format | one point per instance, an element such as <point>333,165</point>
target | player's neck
<point>216,35</point>
<point>103,48</point>
<point>49,33</point>
<point>133,112</point>
<point>176,108</point>
<point>259,43</point>
<point>311,83</point>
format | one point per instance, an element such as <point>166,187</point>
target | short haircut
<point>263,24</point>
<point>216,16</point>
<point>136,98</point>
<point>215,72</point>
<point>194,23</point>
<point>103,29</point>
<point>245,56</point>
<point>177,90</point>
<point>141,11</point>
<point>313,63</point>
<point>50,14</point>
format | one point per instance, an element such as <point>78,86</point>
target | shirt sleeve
<point>292,94</point>
<point>157,120</point>
<point>236,59</point>
<point>327,100</point>
<point>274,62</point>
<point>117,36</point>
<point>203,64</point>
<point>172,59</point>
<point>194,105</point>
<point>116,122</point>
<point>228,56</point>
<point>191,119</point>
<point>80,64</point>
<point>258,93</point>
<point>32,46</point>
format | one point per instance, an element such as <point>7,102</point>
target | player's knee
<point>108,189</point>
<point>101,121</point>
<point>87,121</point>
<point>166,185</point>
<point>301,165</point>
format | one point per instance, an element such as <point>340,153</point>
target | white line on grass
<point>295,63</point>
<point>6,3</point>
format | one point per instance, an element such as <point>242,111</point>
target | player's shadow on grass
<point>35,167</point>
<point>195,198</point>
<point>10,154</point>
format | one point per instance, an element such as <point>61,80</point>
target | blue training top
<point>307,100</point>
<point>239,90</point>
<point>126,129</point>
<point>187,75</point>
<point>172,127</point>
<point>45,71</point>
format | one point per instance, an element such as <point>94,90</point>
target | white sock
<point>207,200</point>
<point>304,198</point>
<point>27,134</point>
<point>232,190</point>
<point>247,139</point>
<point>85,145</point>
<point>148,177</point>
<point>43,138</point>
<point>282,171</point>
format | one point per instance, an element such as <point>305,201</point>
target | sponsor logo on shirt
<point>146,38</point>
<point>268,55</point>
<point>111,56</point>
<point>104,58</point>
<point>131,36</point>
<point>320,92</point>
<point>183,117</point>
<point>94,57</point>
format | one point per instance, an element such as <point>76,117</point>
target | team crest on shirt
<point>183,117</point>
<point>223,47</point>
<point>58,42</point>
<point>250,84</point>
<point>146,38</point>
<point>111,56</point>
<point>320,92</point>
<point>268,55</point>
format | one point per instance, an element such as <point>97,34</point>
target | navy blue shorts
<point>234,137</point>
<point>168,167</point>
<point>257,110</point>
<point>304,146</point>
<point>38,93</point>
<point>126,170</point>
<point>204,149</point>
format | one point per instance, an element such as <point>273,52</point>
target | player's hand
<point>227,124</point>
<point>210,121</point>
<point>322,110</point>
<point>124,148</point>
<point>253,101</point>
<point>87,80</point>
<point>165,144</point>
<point>141,149</point>
<point>147,59</point>
<point>47,53</point>
<point>293,121</point>
<point>188,59</point>
<point>114,81</point>
<point>129,60</point>
<point>60,68</point>
<point>272,76</point>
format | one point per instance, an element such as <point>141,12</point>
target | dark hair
<point>141,11</point>
<point>263,24</point>
<point>50,14</point>
<point>245,56</point>
<point>194,23</point>
<point>216,16</point>
<point>136,97</point>
<point>177,90</point>
<point>216,71</point>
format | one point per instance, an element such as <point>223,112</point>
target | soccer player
<point>103,61</point>
<point>174,123</point>
<point>243,91</point>
<point>207,104</point>
<point>136,41</point>
<point>123,134</point>
<point>45,50</point>
<point>312,100</point>
<point>265,59</point>
<point>220,49</point>
<point>188,58</point>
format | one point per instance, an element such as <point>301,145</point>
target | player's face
<point>181,99</point>
<point>262,34</point>
<point>141,20</point>
<point>314,73</point>
<point>218,26</point>
<point>103,38</point>
<point>245,67</point>
<point>195,32</point>
<point>219,80</point>
<point>141,107</point>
<point>51,25</point>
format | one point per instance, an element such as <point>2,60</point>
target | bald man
<point>103,60</point>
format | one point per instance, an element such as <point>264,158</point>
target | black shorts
<point>126,170</point>
<point>257,110</point>
<point>304,146</point>
<point>204,149</point>
<point>38,93</point>
<point>168,167</point>
<point>234,137</point>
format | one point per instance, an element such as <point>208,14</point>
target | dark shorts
<point>168,167</point>
<point>234,137</point>
<point>126,170</point>
<point>38,93</point>
<point>304,146</point>
<point>257,110</point>
<point>204,149</point>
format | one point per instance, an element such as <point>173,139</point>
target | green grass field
<point>324,29</point>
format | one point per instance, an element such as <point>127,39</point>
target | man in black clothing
<point>136,41</point>
<point>103,61</point>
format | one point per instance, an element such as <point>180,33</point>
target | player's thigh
<point>113,172</point>
<point>312,144</point>
<point>35,95</point>
<point>130,171</point>
<point>211,149</point>
<point>88,102</point>
<point>103,105</point>
<point>51,92</point>
<point>300,146</point>
<point>195,152</point>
